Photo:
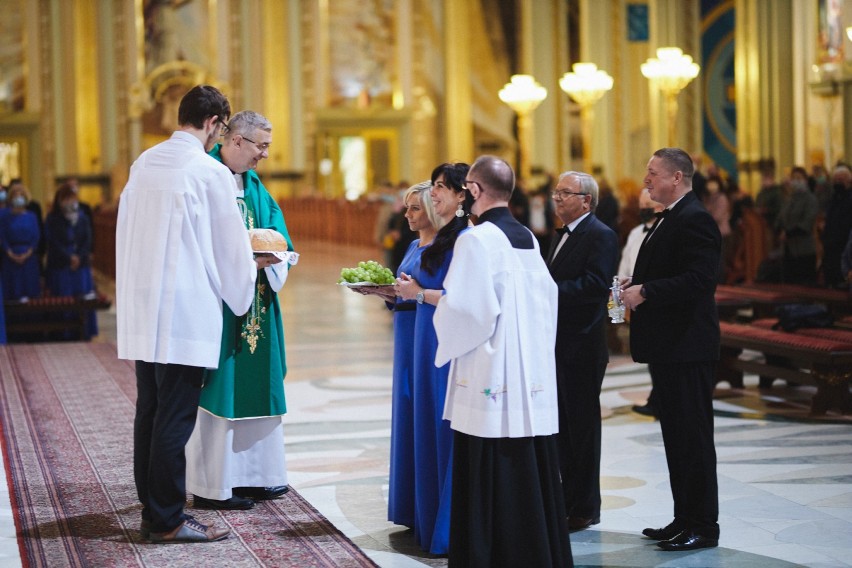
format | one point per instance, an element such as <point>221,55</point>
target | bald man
<point>497,324</point>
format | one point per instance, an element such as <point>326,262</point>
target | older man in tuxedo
<point>582,261</point>
<point>674,328</point>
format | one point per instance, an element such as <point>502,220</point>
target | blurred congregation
<point>366,98</point>
<point>46,266</point>
<point>796,230</point>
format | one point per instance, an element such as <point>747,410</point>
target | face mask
<point>19,201</point>
<point>3,195</point>
<point>70,207</point>
<point>839,188</point>
<point>646,214</point>
<point>799,185</point>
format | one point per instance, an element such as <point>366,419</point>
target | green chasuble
<point>249,382</point>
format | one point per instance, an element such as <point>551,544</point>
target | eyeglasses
<point>468,182</point>
<point>262,147</point>
<point>560,195</point>
<point>226,127</point>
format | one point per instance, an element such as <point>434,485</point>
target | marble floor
<point>785,483</point>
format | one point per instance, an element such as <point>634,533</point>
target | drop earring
<point>460,210</point>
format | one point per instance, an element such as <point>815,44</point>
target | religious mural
<point>362,46</point>
<point>176,56</point>
<point>11,62</point>
<point>175,30</point>
<point>831,33</point>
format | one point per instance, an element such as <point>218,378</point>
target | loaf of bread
<point>267,240</point>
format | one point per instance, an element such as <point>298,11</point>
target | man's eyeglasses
<point>226,127</point>
<point>560,195</point>
<point>262,147</point>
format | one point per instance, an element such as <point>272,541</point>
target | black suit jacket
<point>583,272</point>
<point>679,266</point>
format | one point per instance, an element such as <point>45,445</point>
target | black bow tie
<point>563,230</point>
<point>657,216</point>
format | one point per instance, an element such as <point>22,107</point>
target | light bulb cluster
<point>671,70</point>
<point>523,94</point>
<point>586,84</point>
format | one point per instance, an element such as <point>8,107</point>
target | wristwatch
<point>420,297</point>
<point>642,292</point>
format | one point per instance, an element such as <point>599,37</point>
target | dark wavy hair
<point>454,176</point>
<point>200,103</point>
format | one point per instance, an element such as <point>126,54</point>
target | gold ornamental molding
<point>162,79</point>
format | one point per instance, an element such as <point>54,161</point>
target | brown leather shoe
<point>580,523</point>
<point>190,530</point>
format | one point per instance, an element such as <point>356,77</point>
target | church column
<point>674,23</point>
<point>605,19</point>
<point>766,122</point>
<point>544,48</point>
<point>458,112</point>
<point>84,114</point>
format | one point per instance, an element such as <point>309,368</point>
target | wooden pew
<point>763,302</point>
<point>819,361</point>
<point>40,317</point>
<point>837,301</point>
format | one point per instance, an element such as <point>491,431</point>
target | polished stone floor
<point>785,480</point>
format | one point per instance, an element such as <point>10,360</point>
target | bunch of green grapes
<point>367,271</point>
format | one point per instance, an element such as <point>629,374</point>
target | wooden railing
<point>103,241</point>
<point>338,221</point>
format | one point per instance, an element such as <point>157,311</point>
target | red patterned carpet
<point>67,424</point>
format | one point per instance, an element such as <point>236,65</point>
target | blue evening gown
<point>401,484</point>
<point>433,438</point>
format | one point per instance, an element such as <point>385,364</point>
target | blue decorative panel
<point>717,76</point>
<point>637,22</point>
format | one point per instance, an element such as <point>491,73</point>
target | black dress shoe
<point>235,503</point>
<point>262,493</point>
<point>645,410</point>
<point>688,540</point>
<point>667,532</point>
<point>580,523</point>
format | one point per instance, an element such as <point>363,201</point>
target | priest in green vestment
<point>236,453</point>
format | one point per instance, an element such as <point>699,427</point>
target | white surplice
<point>497,324</point>
<point>181,249</point>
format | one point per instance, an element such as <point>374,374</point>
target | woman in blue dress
<point>69,246</point>
<point>20,235</point>
<point>401,505</point>
<point>433,445</point>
